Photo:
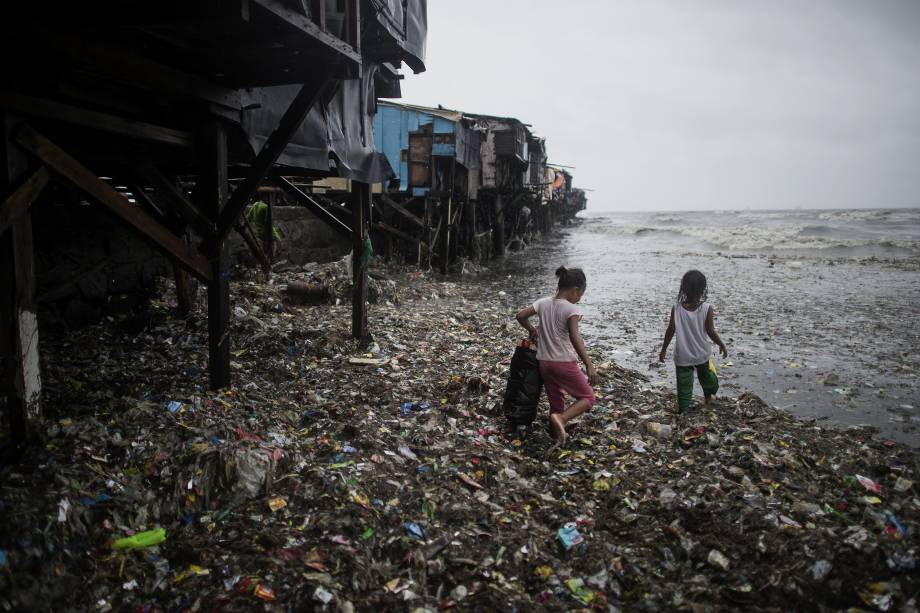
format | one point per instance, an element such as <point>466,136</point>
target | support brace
<point>69,168</point>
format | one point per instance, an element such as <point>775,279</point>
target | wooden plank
<point>302,23</point>
<point>317,209</point>
<point>19,201</point>
<point>69,168</point>
<point>212,191</point>
<point>361,198</point>
<point>290,122</point>
<point>402,211</point>
<point>47,109</point>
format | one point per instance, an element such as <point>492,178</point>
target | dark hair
<point>692,287</point>
<point>571,277</point>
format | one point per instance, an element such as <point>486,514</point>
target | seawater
<point>819,308</point>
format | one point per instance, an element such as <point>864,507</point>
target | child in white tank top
<point>692,322</point>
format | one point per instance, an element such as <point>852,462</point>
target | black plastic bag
<point>524,385</point>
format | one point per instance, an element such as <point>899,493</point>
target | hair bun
<point>560,272</point>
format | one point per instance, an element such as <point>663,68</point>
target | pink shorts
<point>559,377</point>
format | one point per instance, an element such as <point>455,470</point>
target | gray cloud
<point>679,104</point>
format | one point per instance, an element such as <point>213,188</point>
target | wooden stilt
<point>360,195</point>
<point>213,194</point>
<point>446,216</point>
<point>498,228</point>
<point>18,315</point>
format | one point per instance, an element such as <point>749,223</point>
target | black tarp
<point>403,25</point>
<point>340,127</point>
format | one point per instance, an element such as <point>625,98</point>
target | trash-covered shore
<point>339,476</point>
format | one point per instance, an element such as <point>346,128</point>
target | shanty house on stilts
<point>112,103</point>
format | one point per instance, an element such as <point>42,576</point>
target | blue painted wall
<point>392,126</point>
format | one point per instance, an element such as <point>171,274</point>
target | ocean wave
<point>758,238</point>
<point>854,215</point>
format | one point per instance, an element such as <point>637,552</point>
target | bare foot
<point>558,426</point>
<point>709,401</point>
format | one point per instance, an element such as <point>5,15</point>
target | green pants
<point>706,373</point>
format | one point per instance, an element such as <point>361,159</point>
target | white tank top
<point>692,345</point>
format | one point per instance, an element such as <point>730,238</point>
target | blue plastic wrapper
<point>414,530</point>
<point>408,408</point>
<point>569,536</point>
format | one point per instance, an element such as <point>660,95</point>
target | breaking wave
<point>792,237</point>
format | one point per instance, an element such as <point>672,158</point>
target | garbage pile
<point>341,476</point>
<point>331,283</point>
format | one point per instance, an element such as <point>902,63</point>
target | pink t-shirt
<point>554,344</point>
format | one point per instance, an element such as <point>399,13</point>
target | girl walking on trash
<point>692,321</point>
<point>559,345</point>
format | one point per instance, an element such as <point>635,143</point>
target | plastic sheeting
<point>340,127</point>
<point>406,23</point>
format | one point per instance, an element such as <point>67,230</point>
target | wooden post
<point>360,205</point>
<point>213,194</point>
<point>445,242</point>
<point>498,228</point>
<point>18,314</point>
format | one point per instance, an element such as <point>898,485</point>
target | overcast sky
<point>696,104</point>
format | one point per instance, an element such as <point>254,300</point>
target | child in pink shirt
<point>559,345</point>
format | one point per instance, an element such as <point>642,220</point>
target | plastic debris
<point>718,559</point>
<point>148,538</point>
<point>820,570</point>
<point>869,484</point>
<point>414,530</point>
<point>374,496</point>
<point>276,504</point>
<point>569,535</point>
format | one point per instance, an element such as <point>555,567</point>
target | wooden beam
<point>21,384</point>
<point>305,25</point>
<point>18,203</point>
<point>80,176</point>
<point>290,122</point>
<point>385,227</point>
<point>402,211</point>
<point>353,23</point>
<point>187,209</point>
<point>446,219</point>
<point>360,209</point>
<point>317,209</point>
<point>120,63</point>
<point>212,191</point>
<point>47,109</point>
<point>185,294</point>
<point>498,225</point>
<point>318,13</point>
